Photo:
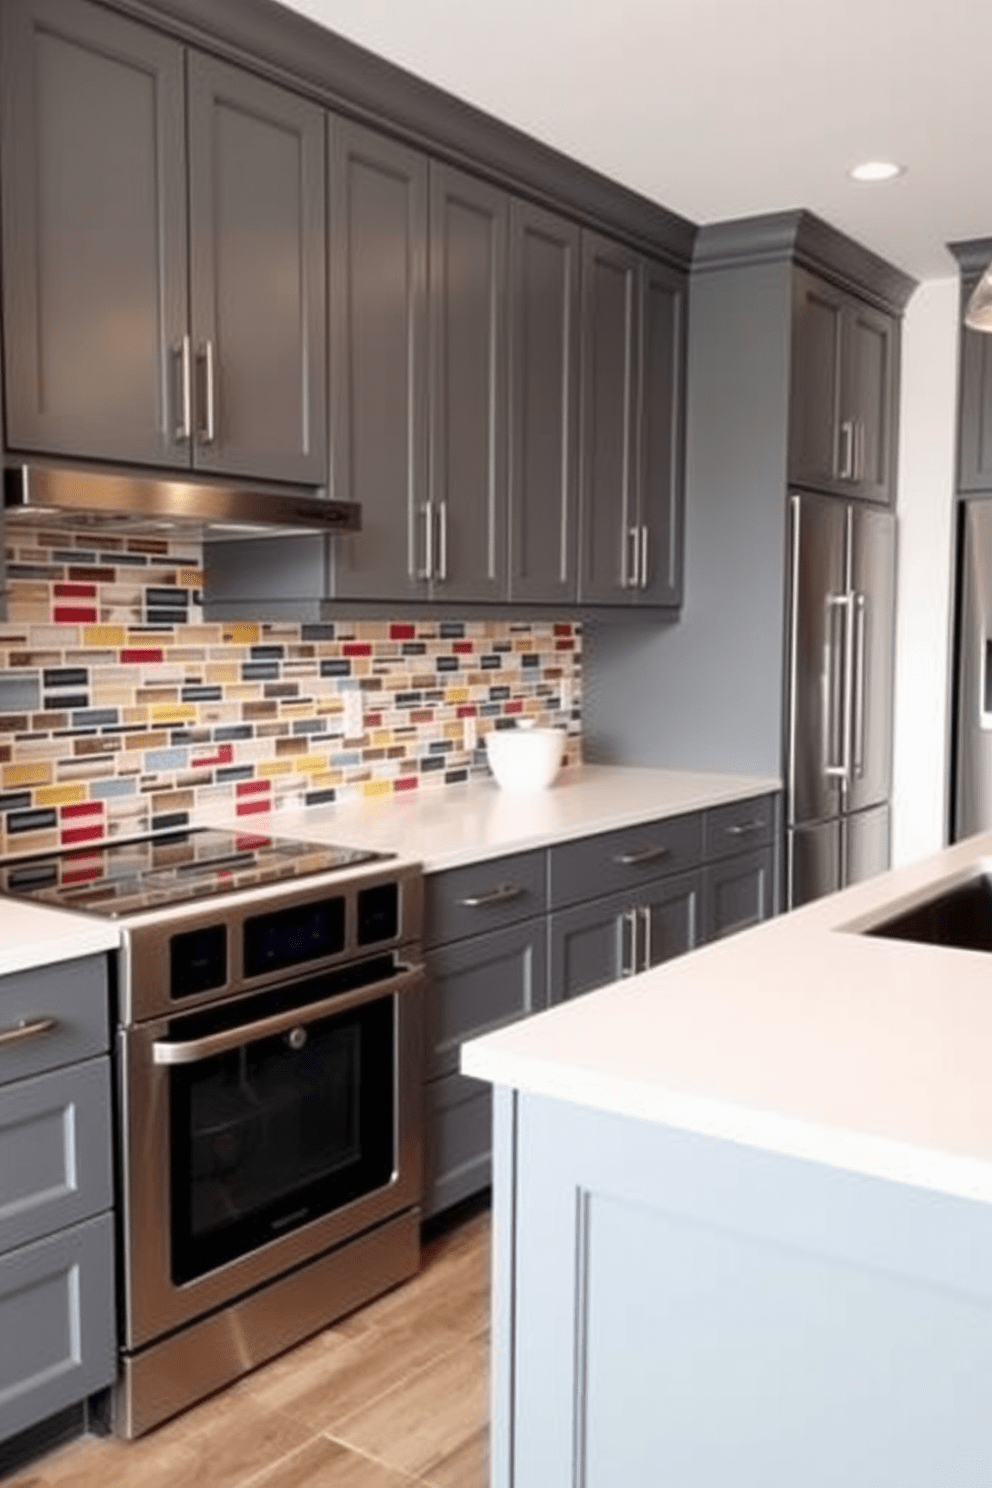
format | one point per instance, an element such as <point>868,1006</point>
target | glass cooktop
<point>122,878</point>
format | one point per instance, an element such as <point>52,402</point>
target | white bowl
<point>525,759</point>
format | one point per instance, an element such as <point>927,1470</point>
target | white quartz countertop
<point>31,935</point>
<point>468,823</point>
<point>800,1036</point>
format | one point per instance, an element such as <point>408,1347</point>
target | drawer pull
<point>28,1028</point>
<point>498,895</point>
<point>642,855</point>
<point>742,829</point>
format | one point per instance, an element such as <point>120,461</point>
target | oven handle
<point>193,1050</point>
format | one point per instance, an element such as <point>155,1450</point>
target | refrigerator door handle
<point>838,769</point>
<point>860,680</point>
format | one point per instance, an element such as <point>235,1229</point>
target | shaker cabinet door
<point>378,319</point>
<point>974,407</point>
<point>93,167</point>
<point>814,405</point>
<point>544,398</point>
<point>258,269</point>
<point>660,437</point>
<point>871,382</point>
<point>467,298</point>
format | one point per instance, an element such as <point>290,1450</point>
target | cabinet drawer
<point>611,861</point>
<point>737,892</point>
<point>477,985</point>
<point>739,826</point>
<point>55,1146</point>
<point>57,1328</point>
<point>458,1142</point>
<point>483,896</point>
<point>73,996</point>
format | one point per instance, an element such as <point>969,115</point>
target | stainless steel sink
<point>959,916</point>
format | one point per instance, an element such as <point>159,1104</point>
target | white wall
<point>925,505</point>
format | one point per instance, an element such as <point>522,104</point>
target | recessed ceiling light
<point>876,170</point>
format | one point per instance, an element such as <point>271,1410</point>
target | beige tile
<point>155,1462</point>
<point>466,1467</point>
<point>428,1416</point>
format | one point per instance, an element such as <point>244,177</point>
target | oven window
<point>278,1132</point>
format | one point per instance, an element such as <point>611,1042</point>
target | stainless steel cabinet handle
<point>860,622</point>
<point>27,1028</point>
<point>837,769</point>
<point>209,431</point>
<point>743,829</point>
<point>184,429</point>
<point>192,1051</point>
<point>442,563</point>
<point>631,575</point>
<point>645,916</point>
<point>644,558</point>
<point>845,463</point>
<point>427,572</point>
<point>859,449</point>
<point>500,895</point>
<point>628,921</point>
<point>642,855</point>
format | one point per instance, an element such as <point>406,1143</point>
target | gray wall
<point>707,692</point>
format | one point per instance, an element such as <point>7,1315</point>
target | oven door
<point>264,1131</point>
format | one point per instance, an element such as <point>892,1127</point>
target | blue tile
<point>227,731</point>
<point>105,790</point>
<point>235,772</point>
<point>19,691</point>
<point>166,759</point>
<point>94,717</point>
<point>334,666</point>
<point>30,821</point>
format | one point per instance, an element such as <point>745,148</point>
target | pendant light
<point>978,314</point>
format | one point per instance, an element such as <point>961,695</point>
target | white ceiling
<point>720,109</point>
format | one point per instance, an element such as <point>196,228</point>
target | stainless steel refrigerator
<point>839,707</point>
<point>973,709</point>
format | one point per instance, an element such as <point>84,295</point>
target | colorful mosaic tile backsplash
<point>123,712</point>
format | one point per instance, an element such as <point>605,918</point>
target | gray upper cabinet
<point>379,361</point>
<point>974,390</point>
<point>93,166</point>
<point>844,388</point>
<point>466,550</point>
<point>633,353</point>
<point>257,276</point>
<point>139,329</point>
<point>544,404</point>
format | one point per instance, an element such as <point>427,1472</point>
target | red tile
<point>463,648</point>
<point>250,808</point>
<point>138,654</point>
<point>467,710</point>
<point>516,707</point>
<point>74,615</point>
<point>252,787</point>
<point>81,834</point>
<point>250,842</point>
<point>422,715</point>
<point>402,632</point>
<point>82,808</point>
<point>563,630</point>
<point>373,720</point>
<point>223,755</point>
<point>564,645</point>
<point>356,648</point>
<point>407,783</point>
<point>75,591</point>
<point>85,874</point>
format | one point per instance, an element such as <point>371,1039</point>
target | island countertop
<point>468,823</point>
<point>802,1036</point>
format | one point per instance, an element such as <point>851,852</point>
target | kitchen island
<point>743,1213</point>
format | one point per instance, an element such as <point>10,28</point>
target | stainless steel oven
<point>270,1069</point>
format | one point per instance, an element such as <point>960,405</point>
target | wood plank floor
<point>395,1396</point>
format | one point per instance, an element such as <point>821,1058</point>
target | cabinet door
<point>467,319</point>
<point>94,234</point>
<point>379,361</point>
<point>737,892</point>
<point>458,1122</point>
<point>544,392</point>
<point>608,571</point>
<point>661,402</point>
<point>593,944</point>
<point>258,270</point>
<point>975,406</point>
<point>479,984</point>
<point>869,399</point>
<point>815,458</point>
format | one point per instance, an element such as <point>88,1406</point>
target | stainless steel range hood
<point>110,501</point>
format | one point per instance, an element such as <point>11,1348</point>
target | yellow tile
<point>34,774</point>
<point>59,795</point>
<point>377,788</point>
<point>104,635</point>
<point>172,713</point>
<point>326,778</point>
<point>241,633</point>
<point>267,768</point>
<point>191,578</point>
<point>456,695</point>
<point>379,738</point>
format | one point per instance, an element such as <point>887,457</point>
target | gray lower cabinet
<point>509,936</point>
<point>57,1318</point>
<point>163,246</point>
